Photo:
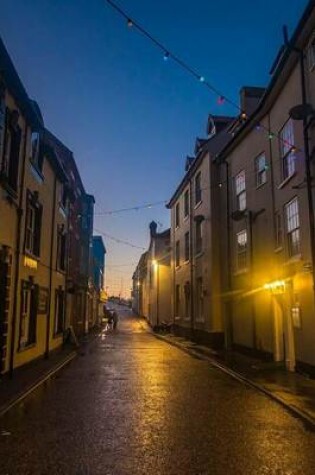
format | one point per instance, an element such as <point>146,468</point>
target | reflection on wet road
<point>131,404</point>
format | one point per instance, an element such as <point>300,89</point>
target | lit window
<point>287,153</point>
<point>261,173</point>
<point>241,250</point>
<point>198,194</point>
<point>293,227</point>
<point>240,191</point>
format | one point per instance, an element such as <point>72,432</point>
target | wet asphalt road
<point>135,405</point>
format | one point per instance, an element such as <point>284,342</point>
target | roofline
<point>263,106</point>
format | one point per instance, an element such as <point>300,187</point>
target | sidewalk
<point>28,377</point>
<point>294,391</point>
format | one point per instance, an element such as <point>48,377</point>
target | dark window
<point>37,156</point>
<point>311,53</point>
<point>287,149</point>
<point>33,225</point>
<point>59,311</point>
<point>177,254</point>
<point>198,194</point>
<point>61,248</point>
<point>177,217</point>
<point>2,122</point>
<point>186,203</point>
<point>260,167</point>
<point>177,301</point>
<point>11,140</point>
<point>240,191</point>
<point>293,227</point>
<point>187,243</point>
<point>28,314</point>
<point>198,236</point>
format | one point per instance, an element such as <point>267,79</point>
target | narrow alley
<point>132,404</point>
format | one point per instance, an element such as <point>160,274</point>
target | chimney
<point>250,98</point>
<point>153,228</point>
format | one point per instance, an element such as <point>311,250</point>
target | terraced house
<point>40,199</point>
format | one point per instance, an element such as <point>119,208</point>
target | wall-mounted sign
<point>29,262</point>
<point>43,295</point>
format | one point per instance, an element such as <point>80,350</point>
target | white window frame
<point>292,219</point>
<point>242,250</point>
<point>240,190</point>
<point>311,53</point>
<point>287,152</point>
<point>261,169</point>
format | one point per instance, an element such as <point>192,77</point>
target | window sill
<point>62,211</point>
<point>278,249</point>
<point>198,204</point>
<point>177,267</point>
<point>261,185</point>
<point>61,271</point>
<point>186,218</point>
<point>26,347</point>
<point>199,254</point>
<point>286,180</point>
<point>57,335</point>
<point>186,262</point>
<point>31,255</point>
<point>293,259</point>
<point>241,271</point>
<point>37,174</point>
<point>7,187</point>
<point>200,320</point>
<point>177,318</point>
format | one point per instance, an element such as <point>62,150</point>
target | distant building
<point>152,280</point>
<point>98,256</point>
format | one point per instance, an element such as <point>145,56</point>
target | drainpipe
<point>17,255</point>
<point>308,169</point>
<point>53,232</point>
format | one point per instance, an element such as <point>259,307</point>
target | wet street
<point>132,404</point>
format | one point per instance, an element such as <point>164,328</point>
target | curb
<point>23,394</point>
<point>306,418</point>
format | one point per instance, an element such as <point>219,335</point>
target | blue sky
<point>129,117</point>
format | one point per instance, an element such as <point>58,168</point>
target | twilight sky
<point>129,117</point>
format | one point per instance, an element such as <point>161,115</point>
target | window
<point>311,53</point>
<point>177,301</point>
<point>33,225</point>
<point>177,254</point>
<point>199,299</point>
<point>240,191</point>
<point>198,194</point>
<point>279,231</point>
<point>198,236</point>
<point>61,248</point>
<point>187,299</point>
<point>59,311</point>
<point>287,153</point>
<point>63,196</point>
<point>241,250</point>
<point>11,140</point>
<point>177,215</point>
<point>293,227</point>
<point>260,168</point>
<point>28,315</point>
<point>36,157</point>
<point>187,243</point>
<point>186,203</point>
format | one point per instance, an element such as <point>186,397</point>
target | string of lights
<point>134,208</point>
<point>168,54</point>
<point>118,240</point>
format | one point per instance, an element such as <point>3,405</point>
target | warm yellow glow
<point>29,262</point>
<point>138,283</point>
<point>277,286</point>
<point>155,263</point>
